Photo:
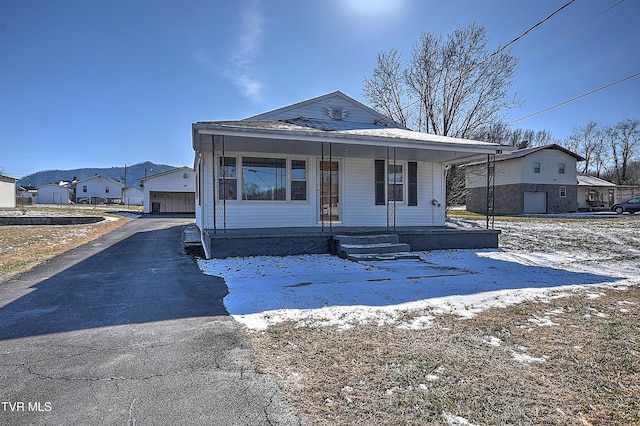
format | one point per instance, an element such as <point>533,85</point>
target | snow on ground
<point>317,290</point>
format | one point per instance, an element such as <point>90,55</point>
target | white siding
<point>319,108</point>
<point>182,179</point>
<point>357,199</point>
<point>549,160</point>
<point>98,186</point>
<point>7,194</point>
<point>53,194</point>
<point>521,170</point>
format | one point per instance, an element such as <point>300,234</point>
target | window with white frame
<point>227,179</point>
<point>536,167</point>
<point>106,189</point>
<point>298,182</point>
<point>563,191</point>
<point>395,182</point>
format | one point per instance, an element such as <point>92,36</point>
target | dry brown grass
<point>583,369</point>
<point>23,247</point>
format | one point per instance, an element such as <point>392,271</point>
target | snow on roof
<point>337,128</point>
<point>584,180</point>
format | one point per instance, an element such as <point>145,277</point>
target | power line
<point>576,98</point>
<point>570,30</point>
<point>501,48</point>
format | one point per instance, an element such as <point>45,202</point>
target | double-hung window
<point>298,180</point>
<point>561,168</point>
<point>395,179</point>
<point>227,179</point>
<point>395,182</point>
<point>536,167</point>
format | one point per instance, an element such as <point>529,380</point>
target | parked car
<point>631,206</point>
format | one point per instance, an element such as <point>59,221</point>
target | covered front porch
<point>288,241</point>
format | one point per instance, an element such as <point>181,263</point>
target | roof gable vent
<point>336,113</point>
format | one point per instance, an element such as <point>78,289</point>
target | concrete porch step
<point>360,257</point>
<point>366,239</point>
<point>372,247</point>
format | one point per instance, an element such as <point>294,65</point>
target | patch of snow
<point>493,341</point>
<point>543,322</point>
<point>526,359</point>
<point>324,290</point>
<point>453,420</point>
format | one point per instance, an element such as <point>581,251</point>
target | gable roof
<point>519,153</point>
<point>293,111</point>
<point>167,172</point>
<point>98,176</point>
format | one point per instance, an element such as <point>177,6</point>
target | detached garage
<point>170,192</point>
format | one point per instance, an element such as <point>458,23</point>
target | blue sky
<point>93,83</point>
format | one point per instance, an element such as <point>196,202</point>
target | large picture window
<point>264,178</point>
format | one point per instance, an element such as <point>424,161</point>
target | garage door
<point>172,202</point>
<point>535,202</point>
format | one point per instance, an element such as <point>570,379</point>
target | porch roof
<point>303,136</point>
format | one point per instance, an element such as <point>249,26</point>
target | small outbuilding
<point>172,191</point>
<point>7,191</point>
<point>132,196</point>
<point>55,193</point>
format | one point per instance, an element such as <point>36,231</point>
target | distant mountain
<point>133,172</point>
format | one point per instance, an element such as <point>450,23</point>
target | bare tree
<point>385,90</point>
<point>624,139</point>
<point>588,141</point>
<point>451,87</point>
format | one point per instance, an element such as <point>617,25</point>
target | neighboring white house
<point>55,193</point>
<point>98,189</point>
<point>7,191</point>
<point>532,180</point>
<point>132,196</point>
<point>172,191</point>
<point>327,163</point>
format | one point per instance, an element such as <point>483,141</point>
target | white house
<point>98,189</point>
<point>55,193</point>
<point>533,180</point>
<point>321,166</point>
<point>7,191</point>
<point>132,196</point>
<point>172,191</point>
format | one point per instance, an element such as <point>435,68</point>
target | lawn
<point>556,342</point>
<point>22,247</point>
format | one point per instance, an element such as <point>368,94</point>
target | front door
<point>329,191</point>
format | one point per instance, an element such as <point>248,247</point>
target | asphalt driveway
<point>127,330</point>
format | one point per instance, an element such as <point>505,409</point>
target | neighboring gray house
<point>289,180</point>
<point>532,180</point>
<point>172,191</point>
<point>7,191</point>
